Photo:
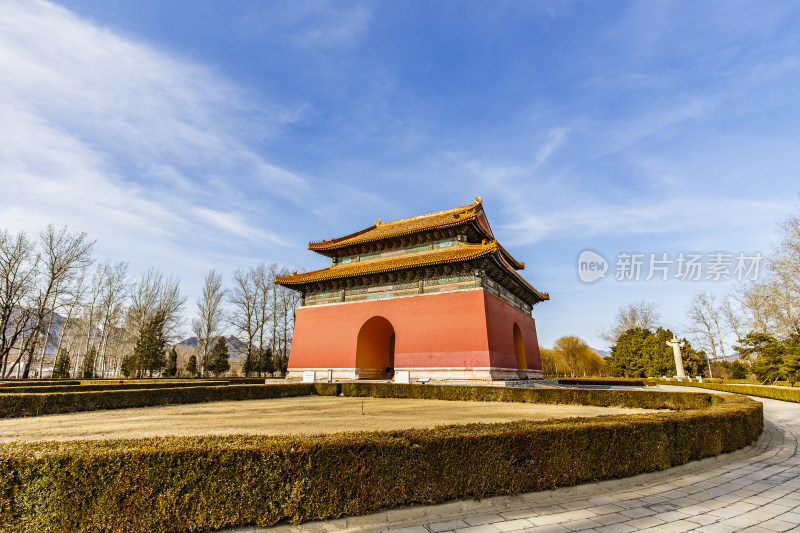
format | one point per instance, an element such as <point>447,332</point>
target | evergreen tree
<point>765,352</point>
<point>129,366</point>
<point>282,363</point>
<point>642,353</point>
<point>87,370</point>
<point>791,367</point>
<point>249,366</point>
<point>627,357</point>
<point>150,351</point>
<point>266,361</point>
<point>191,366</point>
<point>218,358</point>
<point>172,363</point>
<point>61,366</point>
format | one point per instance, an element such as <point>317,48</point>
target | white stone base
<point>435,374</point>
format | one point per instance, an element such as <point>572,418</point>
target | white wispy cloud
<point>121,138</point>
<point>315,24</point>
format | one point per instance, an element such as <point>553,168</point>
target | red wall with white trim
<point>462,329</point>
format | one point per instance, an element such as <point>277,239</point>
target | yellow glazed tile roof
<point>405,226</point>
<point>461,252</point>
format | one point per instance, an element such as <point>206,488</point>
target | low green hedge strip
<point>36,403</point>
<point>204,483</point>
<point>108,386</point>
<point>632,382</point>
<point>37,383</point>
<point>32,404</point>
<point>597,397</point>
<point>763,391</point>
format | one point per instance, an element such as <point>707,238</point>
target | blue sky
<point>194,135</point>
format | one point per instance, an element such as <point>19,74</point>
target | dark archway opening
<point>375,349</point>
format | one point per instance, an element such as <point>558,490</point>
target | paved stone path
<point>755,490</point>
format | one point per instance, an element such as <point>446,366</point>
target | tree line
<point>750,331</point>
<point>91,318</point>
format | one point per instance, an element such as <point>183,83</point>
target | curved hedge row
<point>639,399</point>
<point>33,404</point>
<point>14,405</point>
<point>37,383</point>
<point>632,382</point>
<point>84,387</point>
<point>763,391</point>
<point>202,483</point>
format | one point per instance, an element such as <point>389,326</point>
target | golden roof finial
<point>477,199</point>
<point>377,222</point>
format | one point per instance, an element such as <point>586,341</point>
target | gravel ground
<point>304,415</point>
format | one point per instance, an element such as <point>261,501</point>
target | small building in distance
<point>434,295</point>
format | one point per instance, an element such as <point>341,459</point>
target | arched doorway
<point>375,349</point>
<point>519,349</point>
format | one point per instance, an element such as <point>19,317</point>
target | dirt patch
<point>304,415</point>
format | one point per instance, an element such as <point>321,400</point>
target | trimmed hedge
<point>35,403</point>
<point>37,383</point>
<point>32,404</point>
<point>763,391</point>
<point>632,382</point>
<point>596,397</point>
<point>202,483</point>
<point>108,386</point>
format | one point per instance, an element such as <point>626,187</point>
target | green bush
<point>33,404</point>
<point>203,483</point>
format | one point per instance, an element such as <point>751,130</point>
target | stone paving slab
<point>756,489</point>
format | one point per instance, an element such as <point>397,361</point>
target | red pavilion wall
<point>462,334</point>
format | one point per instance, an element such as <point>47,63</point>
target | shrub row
<point>88,386</point>
<point>202,483</point>
<point>36,403</point>
<point>32,404</point>
<point>633,382</point>
<point>640,399</point>
<point>775,393</point>
<point>37,383</point>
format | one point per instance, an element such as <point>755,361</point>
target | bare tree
<point>289,300</point>
<point>152,294</point>
<point>17,277</point>
<point>115,290</point>
<point>69,325</point>
<point>264,279</point>
<point>756,306</point>
<point>210,316</point>
<point>63,253</point>
<point>730,311</point>
<point>639,314</point>
<point>244,316</point>
<point>706,322</point>
<point>784,265</point>
<point>90,316</point>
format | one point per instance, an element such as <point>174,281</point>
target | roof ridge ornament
<point>378,223</point>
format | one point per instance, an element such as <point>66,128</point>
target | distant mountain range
<point>601,353</point>
<point>237,350</point>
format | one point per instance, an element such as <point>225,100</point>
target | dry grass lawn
<point>303,415</point>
